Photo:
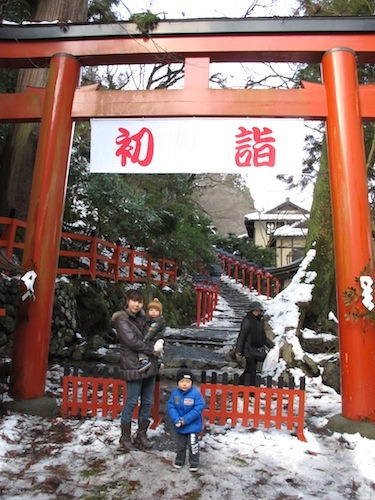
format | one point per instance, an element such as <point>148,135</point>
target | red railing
<point>249,274</point>
<point>255,405</point>
<point>94,257</point>
<point>12,236</point>
<point>207,298</point>
<point>99,394</point>
<point>104,394</point>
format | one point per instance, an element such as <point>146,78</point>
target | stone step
<point>197,342</point>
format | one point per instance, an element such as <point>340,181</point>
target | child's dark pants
<point>190,441</point>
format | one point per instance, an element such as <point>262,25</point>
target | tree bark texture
<point>17,164</point>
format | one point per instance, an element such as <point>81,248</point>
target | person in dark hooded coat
<point>251,340</point>
<point>130,324</point>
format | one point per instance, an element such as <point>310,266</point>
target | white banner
<point>196,145</point>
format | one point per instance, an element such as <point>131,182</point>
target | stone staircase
<point>236,301</point>
<point>205,348</point>
<point>208,347</point>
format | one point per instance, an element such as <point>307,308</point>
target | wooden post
<point>162,283</point>
<point>42,242</point>
<point>93,254</point>
<point>131,266</point>
<point>199,305</point>
<point>251,270</point>
<point>352,230</point>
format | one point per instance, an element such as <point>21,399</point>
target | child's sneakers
<point>177,464</point>
<point>145,365</point>
<point>193,468</point>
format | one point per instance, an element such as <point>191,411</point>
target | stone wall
<point>81,322</point>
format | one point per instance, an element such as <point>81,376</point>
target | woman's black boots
<point>140,440</point>
<point>125,439</point>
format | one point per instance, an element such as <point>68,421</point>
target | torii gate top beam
<point>197,43</point>
<point>222,40</point>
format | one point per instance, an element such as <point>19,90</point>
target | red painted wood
<point>352,231</point>
<point>105,397</point>
<point>263,409</point>
<point>345,106</point>
<point>118,269</point>
<point>253,47</point>
<point>32,332</point>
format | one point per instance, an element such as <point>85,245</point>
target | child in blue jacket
<point>185,407</point>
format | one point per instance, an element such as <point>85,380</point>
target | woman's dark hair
<point>136,295</point>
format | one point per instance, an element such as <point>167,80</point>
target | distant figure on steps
<point>251,340</point>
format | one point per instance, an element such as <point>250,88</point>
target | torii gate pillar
<point>42,242</point>
<point>352,229</point>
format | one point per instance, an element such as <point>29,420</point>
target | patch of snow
<point>332,317</point>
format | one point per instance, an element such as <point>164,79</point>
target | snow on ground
<point>57,459</point>
<point>221,315</point>
<point>48,459</point>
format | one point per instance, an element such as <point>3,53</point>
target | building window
<point>270,227</point>
<point>250,229</point>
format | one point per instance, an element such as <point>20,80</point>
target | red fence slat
<point>90,396</point>
<point>258,405</point>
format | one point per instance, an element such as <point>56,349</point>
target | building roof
<point>287,206</point>
<point>287,211</point>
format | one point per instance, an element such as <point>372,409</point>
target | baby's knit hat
<point>155,303</point>
<point>184,373</point>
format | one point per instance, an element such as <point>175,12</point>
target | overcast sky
<point>177,9</point>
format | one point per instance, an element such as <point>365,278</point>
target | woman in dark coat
<point>251,341</point>
<point>130,325</point>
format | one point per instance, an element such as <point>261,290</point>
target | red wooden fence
<point>101,394</point>
<point>207,298</point>
<point>248,274</point>
<point>255,405</point>
<point>94,257</point>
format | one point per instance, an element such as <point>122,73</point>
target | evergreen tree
<point>320,228</point>
<point>152,212</point>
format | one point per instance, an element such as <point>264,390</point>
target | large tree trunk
<point>17,165</point>
<point>321,232</point>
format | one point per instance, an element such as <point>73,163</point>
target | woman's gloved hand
<point>159,348</point>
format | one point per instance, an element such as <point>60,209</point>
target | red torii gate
<point>335,42</point>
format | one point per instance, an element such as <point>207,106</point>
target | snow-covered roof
<point>285,211</point>
<point>275,217</point>
<point>290,231</point>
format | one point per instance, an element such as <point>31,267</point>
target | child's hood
<point>120,314</point>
